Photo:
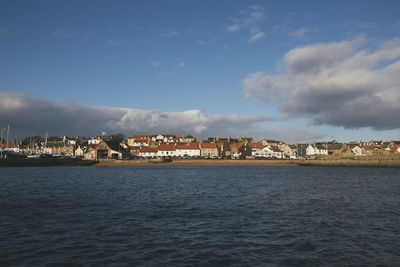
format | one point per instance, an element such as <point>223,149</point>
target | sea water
<point>205,216</point>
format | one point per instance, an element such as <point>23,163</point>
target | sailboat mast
<point>45,144</point>
<point>8,132</point>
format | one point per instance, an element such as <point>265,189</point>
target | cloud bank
<point>339,83</point>
<point>27,115</point>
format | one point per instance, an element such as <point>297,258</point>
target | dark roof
<point>113,145</point>
<point>336,147</point>
<point>275,149</point>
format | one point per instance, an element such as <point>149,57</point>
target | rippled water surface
<point>209,216</point>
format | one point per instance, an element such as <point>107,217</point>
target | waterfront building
<point>209,150</point>
<point>188,150</point>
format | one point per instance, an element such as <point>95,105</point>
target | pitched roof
<point>141,140</point>
<point>113,145</point>
<point>351,146</point>
<point>147,149</point>
<point>208,145</point>
<point>336,146</point>
<point>275,149</point>
<point>236,145</point>
<point>257,145</point>
<point>189,146</point>
<point>166,147</point>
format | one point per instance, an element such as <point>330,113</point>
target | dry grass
<point>352,162</point>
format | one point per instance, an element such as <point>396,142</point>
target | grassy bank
<point>393,163</point>
<point>200,162</point>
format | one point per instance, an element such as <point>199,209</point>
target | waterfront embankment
<point>200,162</point>
<point>393,163</point>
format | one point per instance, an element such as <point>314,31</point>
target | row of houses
<point>372,148</point>
<point>154,146</point>
<point>195,150</point>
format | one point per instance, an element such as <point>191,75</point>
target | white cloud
<point>257,36</point>
<point>235,27</point>
<point>341,84</point>
<point>301,33</point>
<point>249,20</point>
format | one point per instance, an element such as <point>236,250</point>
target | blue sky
<point>177,56</point>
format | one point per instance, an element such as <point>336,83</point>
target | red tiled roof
<point>190,146</point>
<point>257,145</point>
<point>237,145</point>
<point>141,140</point>
<point>147,149</point>
<point>208,145</point>
<point>166,147</point>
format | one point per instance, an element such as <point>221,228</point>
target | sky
<point>298,71</point>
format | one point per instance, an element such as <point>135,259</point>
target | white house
<point>148,152</point>
<point>258,150</point>
<point>139,140</point>
<point>321,150</point>
<point>79,152</point>
<point>357,151</point>
<point>188,150</point>
<point>288,150</point>
<point>316,150</point>
<point>276,152</point>
<point>166,150</point>
<point>310,150</point>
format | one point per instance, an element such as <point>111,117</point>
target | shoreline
<point>372,163</point>
<point>198,162</point>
